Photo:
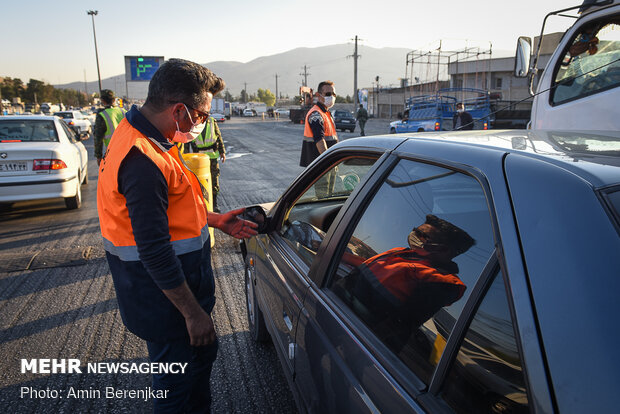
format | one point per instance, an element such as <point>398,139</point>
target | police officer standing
<point>320,130</point>
<point>106,122</point>
<point>210,142</point>
<point>155,227</point>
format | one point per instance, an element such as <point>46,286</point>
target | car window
<point>30,130</point>
<point>69,132</point>
<point>614,202</point>
<point>64,115</point>
<point>310,217</point>
<point>591,64</point>
<point>418,249</point>
<point>487,375</point>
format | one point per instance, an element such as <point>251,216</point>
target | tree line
<point>36,91</point>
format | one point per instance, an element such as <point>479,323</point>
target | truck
<point>218,106</point>
<point>435,112</point>
<point>298,115</point>
<point>228,110</point>
<point>580,86</point>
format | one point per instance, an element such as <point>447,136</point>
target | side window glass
<point>591,63</point>
<point>309,219</point>
<point>70,134</point>
<point>416,252</point>
<point>487,376</point>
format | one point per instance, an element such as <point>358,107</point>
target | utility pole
<point>92,14</point>
<point>355,56</point>
<point>85,84</point>
<point>245,89</point>
<point>305,75</point>
<point>276,88</point>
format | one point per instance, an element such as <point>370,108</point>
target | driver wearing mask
<point>319,130</point>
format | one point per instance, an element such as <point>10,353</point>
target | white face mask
<point>329,101</point>
<point>460,110</point>
<point>192,134</point>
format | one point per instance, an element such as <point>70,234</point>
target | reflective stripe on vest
<point>328,125</point>
<point>112,117</point>
<point>207,139</point>
<point>187,210</point>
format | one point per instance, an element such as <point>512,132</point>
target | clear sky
<point>53,40</point>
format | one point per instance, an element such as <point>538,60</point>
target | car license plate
<point>345,121</point>
<point>13,166</point>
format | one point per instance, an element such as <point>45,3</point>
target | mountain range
<point>332,62</point>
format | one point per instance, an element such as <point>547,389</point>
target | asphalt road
<point>57,298</point>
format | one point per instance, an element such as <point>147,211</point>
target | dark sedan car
<point>445,273</point>
<point>344,120</point>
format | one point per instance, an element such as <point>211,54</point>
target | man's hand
<point>98,161</point>
<point>198,322</point>
<point>200,328</point>
<point>229,223</point>
<point>223,157</point>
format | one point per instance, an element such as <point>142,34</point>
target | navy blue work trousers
<point>189,392</point>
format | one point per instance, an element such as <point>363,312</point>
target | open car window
<point>309,219</point>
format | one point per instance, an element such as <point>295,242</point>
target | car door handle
<point>287,321</point>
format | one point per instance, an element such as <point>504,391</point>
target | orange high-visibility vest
<point>401,275</point>
<point>187,211</point>
<point>328,124</point>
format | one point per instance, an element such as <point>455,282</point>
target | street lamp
<point>92,14</point>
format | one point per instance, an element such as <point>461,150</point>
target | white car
<point>248,112</point>
<point>41,158</point>
<point>76,120</point>
<point>282,112</point>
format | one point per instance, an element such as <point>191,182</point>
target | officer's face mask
<point>416,243</point>
<point>329,99</point>
<point>192,134</point>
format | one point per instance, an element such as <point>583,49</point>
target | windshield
<point>27,130</point>
<point>587,143</point>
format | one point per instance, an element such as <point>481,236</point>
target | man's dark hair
<point>361,106</point>
<point>107,96</point>
<point>324,83</point>
<point>460,104</point>
<point>179,80</point>
<point>452,236</point>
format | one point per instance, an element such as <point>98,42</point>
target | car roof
<point>29,117</point>
<point>593,156</point>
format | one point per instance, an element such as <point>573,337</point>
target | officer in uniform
<point>320,130</point>
<point>210,142</point>
<point>155,227</point>
<point>106,122</point>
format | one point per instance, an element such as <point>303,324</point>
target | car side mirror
<point>84,135</point>
<point>522,57</point>
<point>258,215</point>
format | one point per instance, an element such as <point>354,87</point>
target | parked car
<point>218,117</point>
<point>344,120</point>
<point>76,120</point>
<point>41,158</point>
<point>445,273</point>
<point>249,112</point>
